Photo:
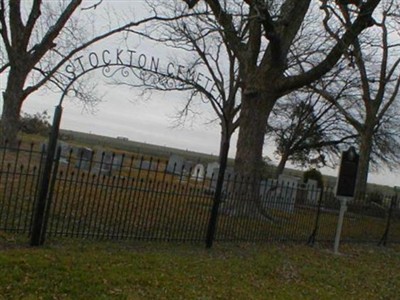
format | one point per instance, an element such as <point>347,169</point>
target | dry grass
<point>86,270</point>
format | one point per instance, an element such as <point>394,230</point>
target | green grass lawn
<point>72,269</point>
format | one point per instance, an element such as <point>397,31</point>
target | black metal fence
<point>119,196</point>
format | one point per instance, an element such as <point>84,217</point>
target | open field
<point>73,269</point>
<point>93,140</point>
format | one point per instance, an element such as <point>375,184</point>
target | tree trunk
<point>13,96</point>
<point>282,164</point>
<point>10,117</point>
<point>363,165</point>
<point>254,114</point>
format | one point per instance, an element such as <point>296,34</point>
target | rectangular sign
<point>346,180</point>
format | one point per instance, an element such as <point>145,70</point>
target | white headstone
<point>313,192</point>
<point>280,194</point>
<point>198,172</point>
<point>65,148</point>
<point>85,156</point>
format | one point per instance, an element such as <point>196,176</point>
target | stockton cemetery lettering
<point>129,60</point>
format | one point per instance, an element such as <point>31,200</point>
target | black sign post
<point>345,187</point>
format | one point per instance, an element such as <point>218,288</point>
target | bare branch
<point>47,42</point>
<point>3,29</point>
<point>85,45</point>
<point>363,21</point>
<point>33,17</point>
<point>93,6</point>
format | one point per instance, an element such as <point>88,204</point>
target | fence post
<point>311,239</point>
<point>39,213</point>
<point>212,224</point>
<point>384,238</point>
<point>50,196</point>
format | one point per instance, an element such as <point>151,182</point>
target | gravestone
<point>212,170</point>
<point>117,163</point>
<point>65,151</point>
<point>84,157</point>
<point>65,148</point>
<point>146,165</point>
<point>188,167</point>
<point>97,160</point>
<point>198,172</point>
<point>175,164</point>
<point>268,191</point>
<point>106,162</point>
<point>229,177</point>
<point>102,162</point>
<point>313,192</point>
<point>280,194</point>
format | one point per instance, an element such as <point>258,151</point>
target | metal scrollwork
<point>124,71</point>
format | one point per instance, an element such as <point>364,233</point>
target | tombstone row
<point>180,166</point>
<point>274,193</point>
<point>87,159</point>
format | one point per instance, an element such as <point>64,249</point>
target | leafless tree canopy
<point>37,39</point>
<point>206,69</point>
<point>308,131</point>
<point>266,38</point>
<point>366,91</point>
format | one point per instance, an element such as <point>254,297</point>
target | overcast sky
<point>123,113</point>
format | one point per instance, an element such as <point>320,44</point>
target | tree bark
<point>10,120</point>
<point>13,98</point>
<point>282,164</point>
<point>255,110</point>
<point>366,139</point>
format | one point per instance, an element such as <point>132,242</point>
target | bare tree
<point>207,69</point>
<point>370,103</point>
<point>38,39</point>
<point>307,131</point>
<point>261,38</point>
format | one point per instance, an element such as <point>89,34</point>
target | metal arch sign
<point>124,61</point>
<point>148,68</point>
